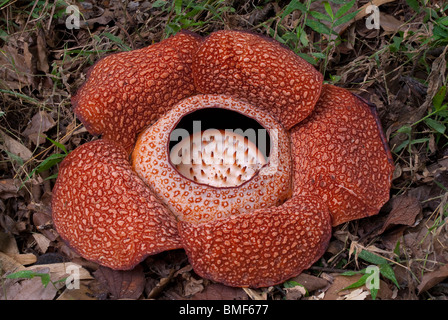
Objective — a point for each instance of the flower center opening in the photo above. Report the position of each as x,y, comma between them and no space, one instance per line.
219,147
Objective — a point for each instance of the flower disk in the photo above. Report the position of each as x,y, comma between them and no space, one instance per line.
105,212
198,203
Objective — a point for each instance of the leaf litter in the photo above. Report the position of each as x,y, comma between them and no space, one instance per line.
397,67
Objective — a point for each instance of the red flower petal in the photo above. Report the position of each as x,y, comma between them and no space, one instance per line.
260,71
261,248
127,91
105,212
340,155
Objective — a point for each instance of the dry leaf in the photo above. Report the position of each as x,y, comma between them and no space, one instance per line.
9,188
28,289
127,284
15,69
335,290
8,243
9,265
430,279
390,24
311,283
15,147
216,291
83,293
362,13
42,56
405,210
59,270
42,242
24,258
40,123
193,286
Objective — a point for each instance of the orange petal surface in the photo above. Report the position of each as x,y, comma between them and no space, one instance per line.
105,212
261,248
260,71
127,91
196,202
340,155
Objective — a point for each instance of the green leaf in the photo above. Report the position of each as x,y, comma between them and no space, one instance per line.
346,7
421,140
397,248
351,273
307,58
292,6
320,16
303,38
405,129
291,284
436,125
371,257
439,97
159,3
345,18
440,33
387,272
373,293
178,7
14,157
443,21
59,145
29,274
328,9
53,176
414,5
319,55
319,27
401,146
359,283
24,274
49,162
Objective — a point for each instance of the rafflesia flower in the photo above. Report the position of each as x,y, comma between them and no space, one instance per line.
230,147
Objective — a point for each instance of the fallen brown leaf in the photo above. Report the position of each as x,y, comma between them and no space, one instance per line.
405,210
127,284
311,283
432,278
40,123
15,147
216,291
336,292
390,24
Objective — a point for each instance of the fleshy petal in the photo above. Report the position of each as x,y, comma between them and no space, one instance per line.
105,212
262,248
260,71
340,155
127,91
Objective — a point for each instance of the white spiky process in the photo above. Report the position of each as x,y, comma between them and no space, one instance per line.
196,202
218,158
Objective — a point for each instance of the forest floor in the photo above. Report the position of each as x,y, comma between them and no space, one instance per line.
399,65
